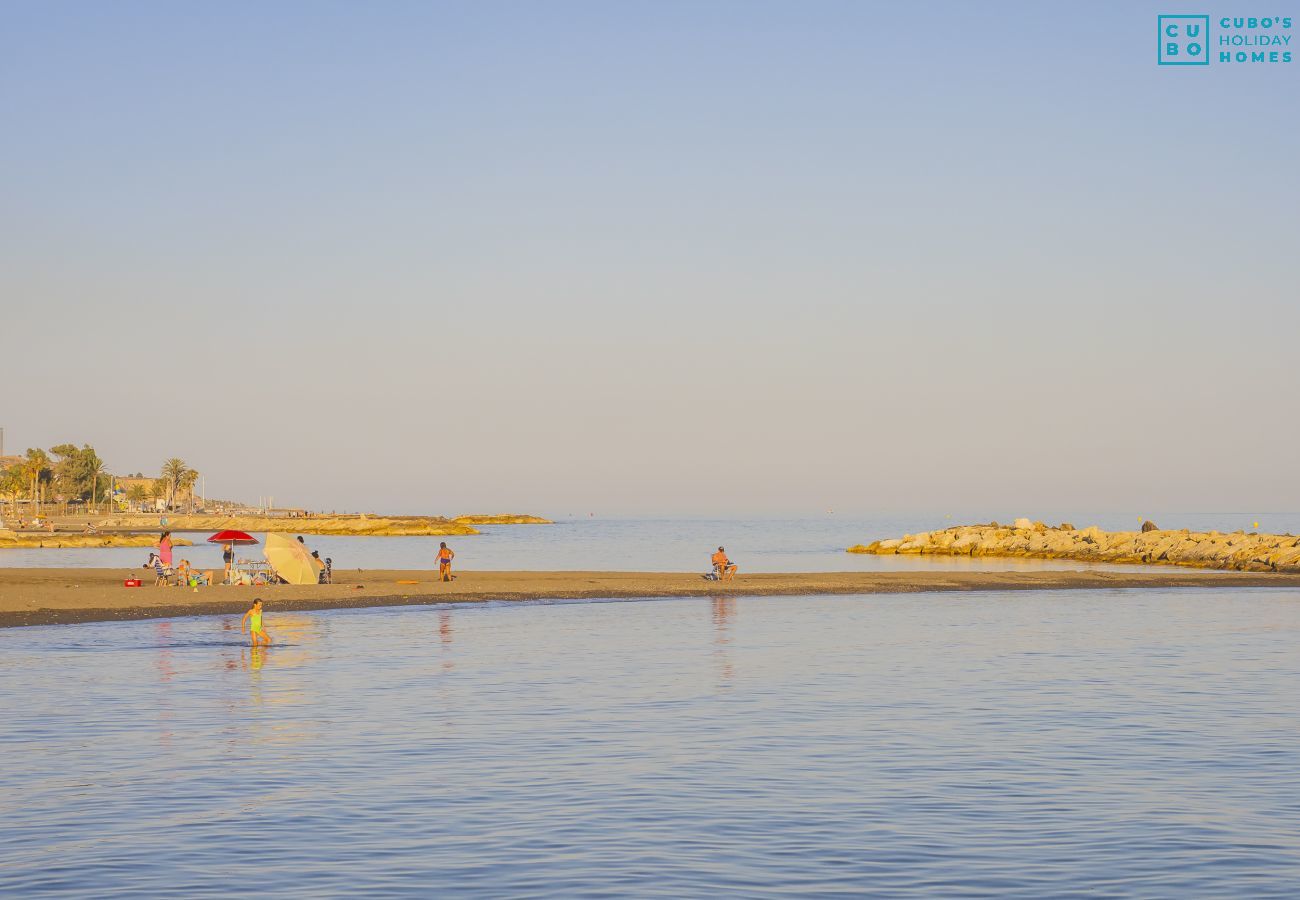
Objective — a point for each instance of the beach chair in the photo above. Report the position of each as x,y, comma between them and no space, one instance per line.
722,572
166,575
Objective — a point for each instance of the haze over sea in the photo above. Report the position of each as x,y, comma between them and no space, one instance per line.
1049,744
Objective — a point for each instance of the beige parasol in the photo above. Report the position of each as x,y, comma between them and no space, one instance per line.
290,559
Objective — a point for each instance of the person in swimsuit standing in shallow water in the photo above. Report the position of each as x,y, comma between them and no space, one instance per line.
252,623
445,556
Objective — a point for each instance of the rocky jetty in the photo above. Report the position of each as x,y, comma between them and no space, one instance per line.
1237,550
28,540
502,519
360,525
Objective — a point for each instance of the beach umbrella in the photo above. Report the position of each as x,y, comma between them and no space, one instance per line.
232,537
290,559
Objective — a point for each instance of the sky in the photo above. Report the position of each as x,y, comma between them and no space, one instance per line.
652,257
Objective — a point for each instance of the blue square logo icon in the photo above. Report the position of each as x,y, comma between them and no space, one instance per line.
1183,40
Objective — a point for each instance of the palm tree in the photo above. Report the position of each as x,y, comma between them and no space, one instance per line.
35,466
94,468
188,479
173,471
137,494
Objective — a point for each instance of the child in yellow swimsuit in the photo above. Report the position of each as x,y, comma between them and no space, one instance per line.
252,623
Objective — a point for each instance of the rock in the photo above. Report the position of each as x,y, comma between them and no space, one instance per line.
1065,526
1094,535
965,544
1148,525
1022,523
502,519
1264,552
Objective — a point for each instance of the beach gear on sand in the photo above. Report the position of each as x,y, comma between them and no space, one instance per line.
231,537
290,560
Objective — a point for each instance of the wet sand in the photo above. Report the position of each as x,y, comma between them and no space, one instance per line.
59,596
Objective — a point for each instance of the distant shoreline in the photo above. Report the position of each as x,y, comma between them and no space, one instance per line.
69,596
70,540
137,530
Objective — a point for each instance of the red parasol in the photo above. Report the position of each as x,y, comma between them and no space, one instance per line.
232,537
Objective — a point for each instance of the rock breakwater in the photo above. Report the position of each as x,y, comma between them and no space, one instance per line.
29,540
1238,551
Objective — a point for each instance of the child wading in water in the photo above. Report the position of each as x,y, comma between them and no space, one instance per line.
445,556
252,623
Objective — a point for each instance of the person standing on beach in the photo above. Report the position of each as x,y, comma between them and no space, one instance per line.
445,556
252,623
165,549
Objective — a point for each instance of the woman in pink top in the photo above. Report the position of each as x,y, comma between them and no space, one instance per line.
165,548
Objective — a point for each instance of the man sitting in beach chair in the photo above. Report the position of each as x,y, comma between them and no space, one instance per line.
723,568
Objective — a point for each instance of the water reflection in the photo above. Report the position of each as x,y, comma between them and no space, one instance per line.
166,672
445,639
256,657
724,610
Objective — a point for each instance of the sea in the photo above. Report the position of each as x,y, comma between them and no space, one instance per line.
1108,743
625,544
1022,744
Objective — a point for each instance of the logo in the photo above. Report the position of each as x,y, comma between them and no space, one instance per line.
1183,40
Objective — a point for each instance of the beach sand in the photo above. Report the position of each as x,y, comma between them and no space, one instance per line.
54,596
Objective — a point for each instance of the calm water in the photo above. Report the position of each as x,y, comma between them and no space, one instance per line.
654,545
1106,743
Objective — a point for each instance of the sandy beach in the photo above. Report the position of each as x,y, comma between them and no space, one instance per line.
60,596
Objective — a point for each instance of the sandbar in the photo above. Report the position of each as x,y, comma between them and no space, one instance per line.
34,596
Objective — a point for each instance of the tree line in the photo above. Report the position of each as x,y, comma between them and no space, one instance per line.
67,473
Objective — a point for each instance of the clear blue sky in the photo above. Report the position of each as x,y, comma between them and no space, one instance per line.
661,256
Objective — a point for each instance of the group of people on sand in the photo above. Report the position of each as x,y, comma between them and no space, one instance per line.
186,574
162,560
324,567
